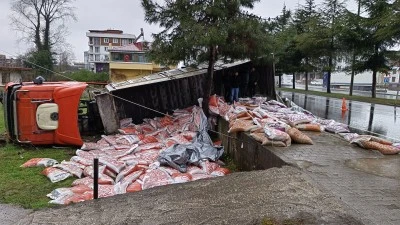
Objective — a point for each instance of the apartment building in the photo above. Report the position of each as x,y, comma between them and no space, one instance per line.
99,41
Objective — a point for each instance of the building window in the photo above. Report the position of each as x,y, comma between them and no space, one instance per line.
106,40
90,40
115,40
115,56
393,79
105,48
130,41
124,41
96,41
141,58
90,57
97,58
136,57
97,49
91,49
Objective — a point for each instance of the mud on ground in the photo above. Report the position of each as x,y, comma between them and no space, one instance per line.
275,196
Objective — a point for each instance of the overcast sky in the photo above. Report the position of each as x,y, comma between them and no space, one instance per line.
126,15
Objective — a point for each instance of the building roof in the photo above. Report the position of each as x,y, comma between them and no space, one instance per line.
135,47
12,64
109,34
170,75
108,31
4,68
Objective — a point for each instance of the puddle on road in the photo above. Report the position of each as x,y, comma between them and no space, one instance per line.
384,167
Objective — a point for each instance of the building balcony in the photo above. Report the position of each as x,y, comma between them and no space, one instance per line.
132,65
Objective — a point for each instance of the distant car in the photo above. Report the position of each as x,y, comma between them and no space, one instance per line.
316,82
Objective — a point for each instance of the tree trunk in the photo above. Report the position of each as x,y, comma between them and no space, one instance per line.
374,72
306,81
209,79
38,41
294,80
352,74
280,81
46,35
306,74
328,83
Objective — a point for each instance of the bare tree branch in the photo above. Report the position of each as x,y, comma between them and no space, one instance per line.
42,22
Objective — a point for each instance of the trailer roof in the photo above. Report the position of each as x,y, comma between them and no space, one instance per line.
170,75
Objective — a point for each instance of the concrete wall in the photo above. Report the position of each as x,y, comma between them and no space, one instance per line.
246,152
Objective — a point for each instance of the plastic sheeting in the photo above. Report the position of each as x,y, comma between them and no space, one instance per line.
179,156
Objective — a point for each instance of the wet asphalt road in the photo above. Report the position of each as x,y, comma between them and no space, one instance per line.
380,94
380,120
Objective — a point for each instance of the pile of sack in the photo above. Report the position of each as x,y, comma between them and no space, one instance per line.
166,150
275,124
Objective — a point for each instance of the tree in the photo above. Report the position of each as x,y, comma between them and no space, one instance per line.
197,31
351,33
284,33
42,23
377,39
290,61
331,12
308,27
64,60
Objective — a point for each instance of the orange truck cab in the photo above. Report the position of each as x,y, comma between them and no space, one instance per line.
44,113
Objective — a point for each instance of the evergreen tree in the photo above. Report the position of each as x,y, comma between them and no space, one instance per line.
308,27
287,55
351,35
374,58
331,13
197,31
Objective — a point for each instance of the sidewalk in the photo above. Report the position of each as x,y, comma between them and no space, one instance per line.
365,180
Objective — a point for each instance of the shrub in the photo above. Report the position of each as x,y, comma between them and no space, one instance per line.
83,76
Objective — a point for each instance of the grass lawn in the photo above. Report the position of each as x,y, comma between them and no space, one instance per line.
382,101
27,187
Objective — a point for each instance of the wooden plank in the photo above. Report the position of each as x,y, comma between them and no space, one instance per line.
108,113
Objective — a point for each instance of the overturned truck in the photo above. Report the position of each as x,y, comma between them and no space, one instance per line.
47,113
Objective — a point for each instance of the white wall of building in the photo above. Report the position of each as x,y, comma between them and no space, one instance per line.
344,77
98,49
14,77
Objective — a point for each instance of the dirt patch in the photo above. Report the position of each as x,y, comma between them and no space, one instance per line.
10,214
286,195
3,140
